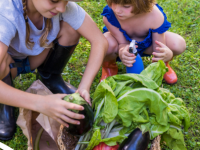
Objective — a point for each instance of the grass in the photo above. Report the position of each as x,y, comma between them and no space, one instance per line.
185,18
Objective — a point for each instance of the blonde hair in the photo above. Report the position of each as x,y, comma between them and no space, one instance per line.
139,6
43,39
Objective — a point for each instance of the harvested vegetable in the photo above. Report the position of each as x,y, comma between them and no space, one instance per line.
125,102
136,141
87,122
103,146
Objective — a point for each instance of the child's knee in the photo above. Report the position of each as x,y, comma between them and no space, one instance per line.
67,36
112,47
179,46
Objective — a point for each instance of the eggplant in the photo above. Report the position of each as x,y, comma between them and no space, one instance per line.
86,123
136,141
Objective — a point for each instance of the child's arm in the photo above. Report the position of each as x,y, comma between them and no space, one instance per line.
127,58
50,105
5,60
99,46
160,50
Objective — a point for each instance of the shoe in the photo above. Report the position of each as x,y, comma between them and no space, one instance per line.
7,118
50,71
170,77
109,68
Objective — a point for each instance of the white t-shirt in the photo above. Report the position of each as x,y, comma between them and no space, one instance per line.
13,27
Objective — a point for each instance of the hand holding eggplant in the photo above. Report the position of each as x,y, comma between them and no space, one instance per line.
86,123
54,107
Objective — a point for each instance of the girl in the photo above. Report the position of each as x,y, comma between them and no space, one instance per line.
43,34
145,22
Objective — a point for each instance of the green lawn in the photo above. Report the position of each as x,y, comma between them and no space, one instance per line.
185,18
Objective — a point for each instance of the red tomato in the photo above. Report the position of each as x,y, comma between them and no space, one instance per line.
103,146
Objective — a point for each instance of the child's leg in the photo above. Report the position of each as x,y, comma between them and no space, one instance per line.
7,117
175,42
109,66
50,71
177,45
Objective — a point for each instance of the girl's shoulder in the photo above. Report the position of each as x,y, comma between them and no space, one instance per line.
11,10
156,17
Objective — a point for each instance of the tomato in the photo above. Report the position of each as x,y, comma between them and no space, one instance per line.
103,146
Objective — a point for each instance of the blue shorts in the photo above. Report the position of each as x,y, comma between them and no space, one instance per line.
24,66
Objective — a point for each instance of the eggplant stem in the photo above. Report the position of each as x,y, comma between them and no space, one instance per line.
37,139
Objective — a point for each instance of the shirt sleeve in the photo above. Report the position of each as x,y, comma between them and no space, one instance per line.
7,31
74,15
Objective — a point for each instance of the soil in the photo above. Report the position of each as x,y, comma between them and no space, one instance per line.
69,140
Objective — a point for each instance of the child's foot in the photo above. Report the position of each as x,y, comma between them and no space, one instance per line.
109,68
170,77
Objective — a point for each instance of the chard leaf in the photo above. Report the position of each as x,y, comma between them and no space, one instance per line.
155,71
156,130
174,139
105,96
134,78
110,109
114,140
111,82
95,140
133,102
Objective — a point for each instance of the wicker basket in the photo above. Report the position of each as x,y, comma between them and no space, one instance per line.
154,146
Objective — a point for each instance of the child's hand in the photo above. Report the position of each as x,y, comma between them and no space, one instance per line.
127,58
54,107
85,94
164,53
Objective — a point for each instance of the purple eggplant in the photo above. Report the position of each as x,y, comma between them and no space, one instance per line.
136,141
85,124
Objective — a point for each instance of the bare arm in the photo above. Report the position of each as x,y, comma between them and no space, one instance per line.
126,58
115,32
160,50
5,60
99,46
51,105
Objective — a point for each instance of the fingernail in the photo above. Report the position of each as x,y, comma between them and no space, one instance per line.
78,123
67,126
82,108
83,117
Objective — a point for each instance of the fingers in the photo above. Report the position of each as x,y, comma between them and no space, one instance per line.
62,122
69,120
158,54
73,114
160,44
155,59
73,106
129,63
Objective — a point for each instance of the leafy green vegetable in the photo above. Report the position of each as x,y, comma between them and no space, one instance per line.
155,71
95,140
128,101
105,96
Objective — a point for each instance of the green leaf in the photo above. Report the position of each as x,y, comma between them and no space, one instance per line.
155,71
95,140
174,139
